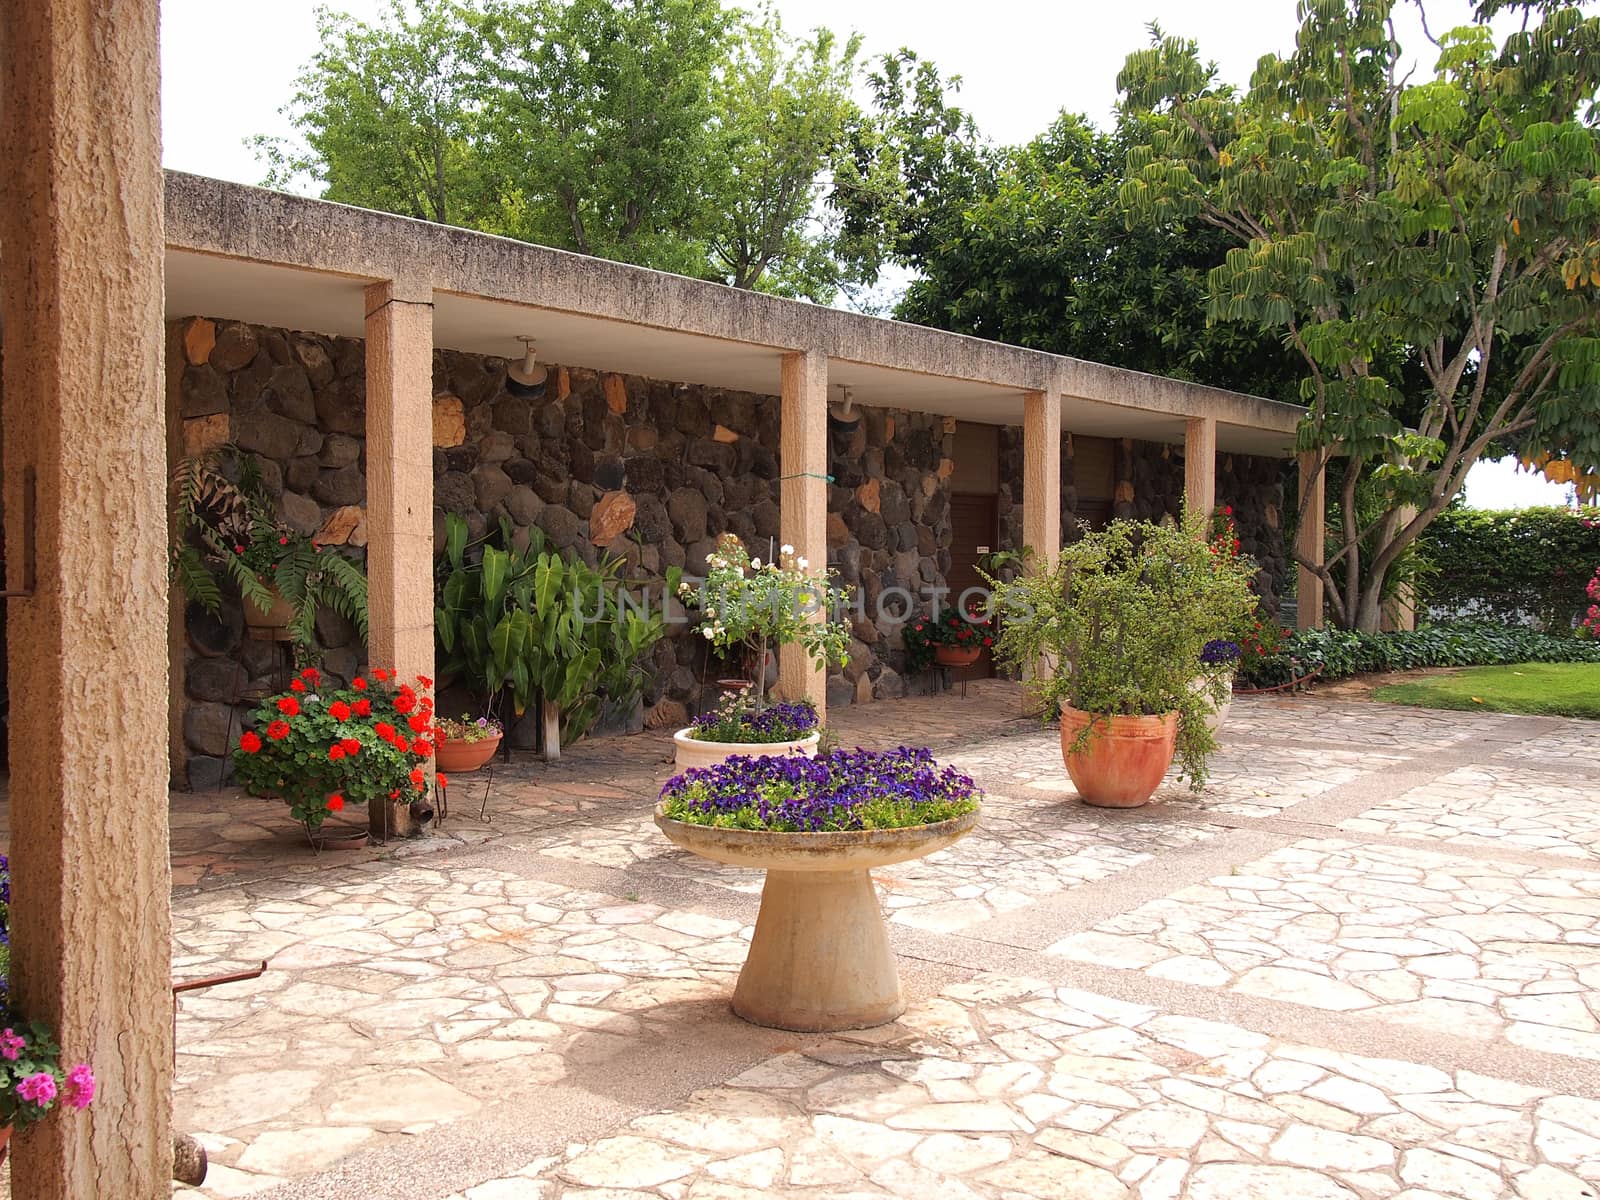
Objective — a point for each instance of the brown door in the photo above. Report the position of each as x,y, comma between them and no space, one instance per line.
975,532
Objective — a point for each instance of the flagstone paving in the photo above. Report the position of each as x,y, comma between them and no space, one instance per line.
1362,963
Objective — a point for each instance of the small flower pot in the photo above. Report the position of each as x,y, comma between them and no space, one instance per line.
820,958
1125,759
338,837
455,757
956,656
269,623
692,752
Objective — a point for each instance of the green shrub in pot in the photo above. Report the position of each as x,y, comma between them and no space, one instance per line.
1120,622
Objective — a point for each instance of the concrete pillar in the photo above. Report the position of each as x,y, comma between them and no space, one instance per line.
1308,542
177,747
1041,475
803,499
1200,466
81,250
399,489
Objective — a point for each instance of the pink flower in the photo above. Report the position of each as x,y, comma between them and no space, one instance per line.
11,1045
39,1089
80,1084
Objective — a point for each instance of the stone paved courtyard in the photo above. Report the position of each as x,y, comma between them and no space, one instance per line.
1365,962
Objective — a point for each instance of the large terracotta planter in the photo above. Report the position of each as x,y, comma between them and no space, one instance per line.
956,656
458,757
269,623
1125,760
692,752
820,957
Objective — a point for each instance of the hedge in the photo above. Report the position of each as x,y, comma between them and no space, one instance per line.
1521,566
1338,653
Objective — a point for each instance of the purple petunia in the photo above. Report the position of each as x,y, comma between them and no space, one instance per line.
1219,652
863,789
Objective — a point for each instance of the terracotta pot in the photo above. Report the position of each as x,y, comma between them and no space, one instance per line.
820,956
274,620
454,757
956,656
5,1141
692,752
339,837
1125,760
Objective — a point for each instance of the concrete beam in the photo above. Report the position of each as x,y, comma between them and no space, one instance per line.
84,419
210,216
1308,542
803,500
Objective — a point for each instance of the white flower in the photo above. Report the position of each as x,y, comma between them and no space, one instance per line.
756,563
801,563
788,549
709,632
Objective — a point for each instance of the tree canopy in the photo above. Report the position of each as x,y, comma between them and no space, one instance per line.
676,134
1430,250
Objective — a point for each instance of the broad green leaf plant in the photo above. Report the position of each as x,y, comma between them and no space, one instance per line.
517,626
1117,627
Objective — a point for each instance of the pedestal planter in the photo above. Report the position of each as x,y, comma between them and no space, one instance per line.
1125,759
820,958
457,757
956,656
692,752
1216,713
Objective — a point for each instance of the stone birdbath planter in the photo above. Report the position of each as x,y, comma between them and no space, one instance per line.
735,727
820,958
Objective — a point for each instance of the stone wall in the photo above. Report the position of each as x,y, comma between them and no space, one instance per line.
639,469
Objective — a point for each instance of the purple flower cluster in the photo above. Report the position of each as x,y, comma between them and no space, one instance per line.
845,790
775,723
1219,653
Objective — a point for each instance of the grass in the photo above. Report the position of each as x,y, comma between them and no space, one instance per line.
1543,689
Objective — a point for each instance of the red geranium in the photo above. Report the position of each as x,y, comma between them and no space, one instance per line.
363,707
296,686
312,674
417,778
405,701
249,742
424,681
350,746
278,730
423,748
359,684
380,675
384,730
339,710
418,723
289,706
335,753
440,779
335,802
402,745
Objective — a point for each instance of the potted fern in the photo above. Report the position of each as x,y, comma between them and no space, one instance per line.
226,531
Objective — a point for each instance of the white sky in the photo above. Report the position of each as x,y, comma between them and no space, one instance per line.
226,74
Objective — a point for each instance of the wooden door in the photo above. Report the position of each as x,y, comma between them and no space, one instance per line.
975,530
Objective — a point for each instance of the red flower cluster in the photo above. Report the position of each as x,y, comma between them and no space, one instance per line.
278,730
289,706
249,742
339,710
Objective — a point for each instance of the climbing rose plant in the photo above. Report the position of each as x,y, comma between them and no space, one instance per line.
323,748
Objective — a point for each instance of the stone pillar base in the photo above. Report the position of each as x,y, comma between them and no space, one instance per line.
390,819
820,957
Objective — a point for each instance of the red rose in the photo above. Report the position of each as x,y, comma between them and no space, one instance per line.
350,746
289,706
278,730
339,710
359,684
363,708
249,742
335,802
296,686
335,753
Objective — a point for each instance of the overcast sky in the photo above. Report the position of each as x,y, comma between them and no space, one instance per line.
1021,62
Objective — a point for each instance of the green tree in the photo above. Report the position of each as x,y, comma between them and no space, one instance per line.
388,115
1428,249
783,110
599,121
1043,257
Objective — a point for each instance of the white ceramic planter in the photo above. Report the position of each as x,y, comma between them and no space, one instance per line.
1216,713
691,752
820,957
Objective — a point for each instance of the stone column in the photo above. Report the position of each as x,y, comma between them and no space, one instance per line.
81,250
803,498
1200,466
1041,475
1308,542
399,489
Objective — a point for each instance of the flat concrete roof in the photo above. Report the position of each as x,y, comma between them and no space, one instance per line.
271,258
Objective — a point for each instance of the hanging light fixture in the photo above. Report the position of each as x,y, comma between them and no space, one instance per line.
529,377
843,415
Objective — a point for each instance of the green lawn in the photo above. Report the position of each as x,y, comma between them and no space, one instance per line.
1548,689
